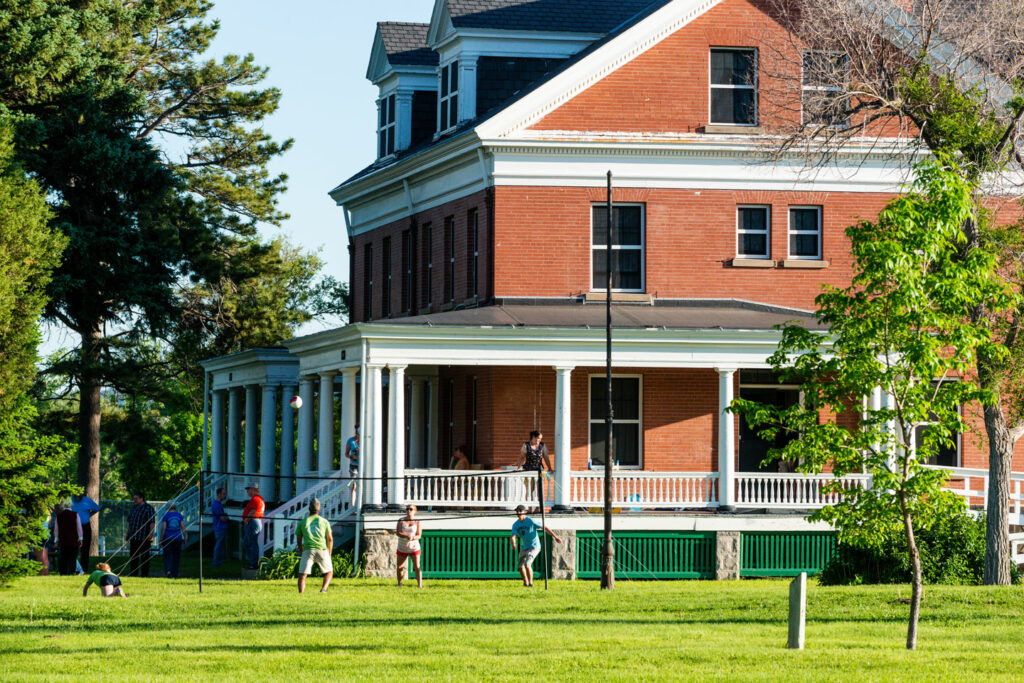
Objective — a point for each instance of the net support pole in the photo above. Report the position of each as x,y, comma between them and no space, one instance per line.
544,525
202,491
608,548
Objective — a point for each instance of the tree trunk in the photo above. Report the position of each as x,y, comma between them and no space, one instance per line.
1000,456
917,583
89,426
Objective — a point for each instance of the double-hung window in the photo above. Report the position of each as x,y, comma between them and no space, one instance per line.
627,247
427,295
368,282
386,126
823,102
805,232
385,306
626,428
449,259
407,273
472,252
753,232
733,86
448,100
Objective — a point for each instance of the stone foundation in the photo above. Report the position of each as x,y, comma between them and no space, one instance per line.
563,555
380,548
727,555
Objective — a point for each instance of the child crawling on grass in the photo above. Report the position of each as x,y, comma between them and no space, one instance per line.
108,582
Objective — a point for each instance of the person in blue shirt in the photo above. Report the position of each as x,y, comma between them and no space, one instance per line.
352,453
86,507
172,539
524,531
220,526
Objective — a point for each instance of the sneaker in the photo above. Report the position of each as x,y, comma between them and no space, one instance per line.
323,590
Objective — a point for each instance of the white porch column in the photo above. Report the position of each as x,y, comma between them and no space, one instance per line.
325,443
726,440
396,435
373,435
348,410
217,431
234,430
305,463
563,441
287,467
251,429
434,422
417,431
268,442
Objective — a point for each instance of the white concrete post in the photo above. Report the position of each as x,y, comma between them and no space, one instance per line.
234,430
396,435
268,442
372,435
563,440
325,443
217,431
348,410
797,611
305,460
287,468
252,429
417,431
726,440
434,422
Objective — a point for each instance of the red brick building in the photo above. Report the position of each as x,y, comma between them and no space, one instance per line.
477,253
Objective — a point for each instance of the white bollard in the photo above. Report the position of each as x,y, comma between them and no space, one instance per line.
797,611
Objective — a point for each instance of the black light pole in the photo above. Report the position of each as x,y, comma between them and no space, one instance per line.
608,551
544,534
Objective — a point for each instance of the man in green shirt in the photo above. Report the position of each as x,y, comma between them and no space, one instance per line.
314,534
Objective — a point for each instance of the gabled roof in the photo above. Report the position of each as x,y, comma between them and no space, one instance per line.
406,43
570,16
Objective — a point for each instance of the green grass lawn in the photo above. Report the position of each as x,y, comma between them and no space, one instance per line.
467,630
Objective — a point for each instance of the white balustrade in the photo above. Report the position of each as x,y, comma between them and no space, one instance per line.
801,491
971,484
470,489
647,489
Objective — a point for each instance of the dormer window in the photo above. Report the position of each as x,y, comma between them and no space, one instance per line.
448,100
386,127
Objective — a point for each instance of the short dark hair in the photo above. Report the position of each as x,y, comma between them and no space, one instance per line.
534,433
520,508
220,490
140,494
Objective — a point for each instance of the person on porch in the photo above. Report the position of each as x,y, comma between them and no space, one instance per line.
459,460
533,456
352,453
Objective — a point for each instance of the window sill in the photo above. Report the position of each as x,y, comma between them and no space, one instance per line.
725,129
753,263
808,264
448,306
424,311
625,297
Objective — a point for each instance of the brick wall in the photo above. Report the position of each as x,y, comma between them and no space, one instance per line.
459,212
690,242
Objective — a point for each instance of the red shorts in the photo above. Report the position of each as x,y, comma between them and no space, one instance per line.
414,553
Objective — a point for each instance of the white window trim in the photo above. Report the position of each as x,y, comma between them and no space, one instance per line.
639,421
767,230
442,102
754,88
790,232
391,99
820,88
642,247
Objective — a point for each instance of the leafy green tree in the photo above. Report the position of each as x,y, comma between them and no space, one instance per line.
29,250
901,326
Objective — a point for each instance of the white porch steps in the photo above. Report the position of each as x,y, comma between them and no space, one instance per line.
279,524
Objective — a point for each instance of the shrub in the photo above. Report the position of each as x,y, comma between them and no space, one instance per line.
284,564
952,552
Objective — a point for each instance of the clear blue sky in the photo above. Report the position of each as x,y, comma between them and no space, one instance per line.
317,52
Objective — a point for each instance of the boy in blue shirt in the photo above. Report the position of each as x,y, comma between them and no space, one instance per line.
524,530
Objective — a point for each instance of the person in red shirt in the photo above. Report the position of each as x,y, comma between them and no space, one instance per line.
252,525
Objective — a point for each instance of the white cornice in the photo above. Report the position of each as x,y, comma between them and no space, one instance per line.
440,23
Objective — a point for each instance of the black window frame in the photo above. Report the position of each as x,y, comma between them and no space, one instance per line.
598,247
385,300
473,253
596,399
368,281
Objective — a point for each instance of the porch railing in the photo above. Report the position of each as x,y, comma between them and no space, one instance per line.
971,484
647,489
462,488
279,524
765,490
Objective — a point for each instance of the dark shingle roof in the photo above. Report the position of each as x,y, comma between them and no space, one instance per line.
579,16
406,43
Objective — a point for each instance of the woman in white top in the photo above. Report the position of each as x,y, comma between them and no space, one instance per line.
409,532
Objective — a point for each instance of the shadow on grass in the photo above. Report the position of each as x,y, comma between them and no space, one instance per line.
321,649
